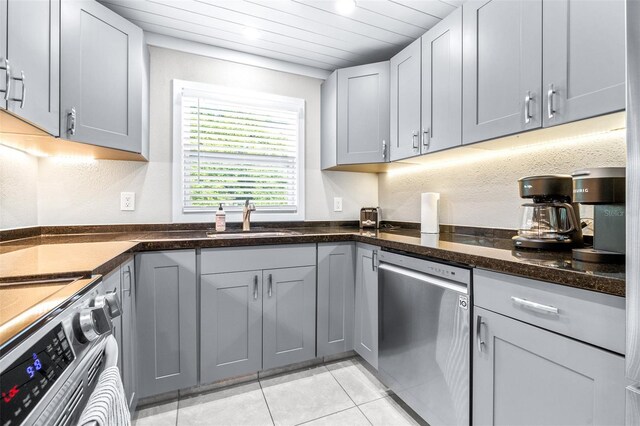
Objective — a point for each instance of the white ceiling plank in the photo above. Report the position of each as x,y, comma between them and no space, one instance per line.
373,19
203,38
400,12
233,36
436,8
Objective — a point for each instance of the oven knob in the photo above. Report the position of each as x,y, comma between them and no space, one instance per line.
91,323
112,303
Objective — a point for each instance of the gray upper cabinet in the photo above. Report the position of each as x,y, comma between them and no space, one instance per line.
101,85
230,325
336,298
442,84
355,115
129,337
166,321
526,375
502,68
289,324
33,50
366,319
584,59
4,73
406,133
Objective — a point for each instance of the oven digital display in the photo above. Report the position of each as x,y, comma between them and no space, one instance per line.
26,381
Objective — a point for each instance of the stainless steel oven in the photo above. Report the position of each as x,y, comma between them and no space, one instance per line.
424,343
49,370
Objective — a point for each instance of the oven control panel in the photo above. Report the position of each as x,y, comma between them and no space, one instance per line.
27,380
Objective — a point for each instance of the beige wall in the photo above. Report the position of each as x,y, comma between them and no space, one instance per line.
89,192
483,191
18,190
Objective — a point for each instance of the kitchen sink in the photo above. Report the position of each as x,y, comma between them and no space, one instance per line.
251,234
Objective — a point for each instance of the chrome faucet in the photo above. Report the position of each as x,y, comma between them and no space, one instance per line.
246,215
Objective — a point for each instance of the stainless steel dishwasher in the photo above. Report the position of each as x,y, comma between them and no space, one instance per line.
424,345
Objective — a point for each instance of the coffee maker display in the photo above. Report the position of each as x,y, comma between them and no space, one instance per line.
604,188
550,222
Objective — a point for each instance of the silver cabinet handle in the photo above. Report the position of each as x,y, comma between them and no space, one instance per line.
270,285
255,287
527,107
414,139
374,260
23,92
384,149
426,138
535,306
7,77
479,324
551,111
71,122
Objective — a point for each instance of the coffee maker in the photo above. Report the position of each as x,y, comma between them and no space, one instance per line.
550,222
604,188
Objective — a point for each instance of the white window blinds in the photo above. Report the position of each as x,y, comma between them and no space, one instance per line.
240,146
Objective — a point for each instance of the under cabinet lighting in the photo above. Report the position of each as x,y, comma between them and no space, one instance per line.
345,7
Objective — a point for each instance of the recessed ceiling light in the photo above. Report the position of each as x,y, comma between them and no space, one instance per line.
345,7
251,33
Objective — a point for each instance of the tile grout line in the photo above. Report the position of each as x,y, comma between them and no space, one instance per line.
326,415
266,402
345,391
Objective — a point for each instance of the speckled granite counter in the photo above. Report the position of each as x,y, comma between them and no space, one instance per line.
55,254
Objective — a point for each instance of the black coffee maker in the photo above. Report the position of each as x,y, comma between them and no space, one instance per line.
550,222
604,188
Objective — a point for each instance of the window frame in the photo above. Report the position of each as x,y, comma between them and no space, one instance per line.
178,215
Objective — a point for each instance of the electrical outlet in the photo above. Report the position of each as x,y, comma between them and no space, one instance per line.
337,204
127,201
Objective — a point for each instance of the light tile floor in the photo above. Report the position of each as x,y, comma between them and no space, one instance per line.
333,394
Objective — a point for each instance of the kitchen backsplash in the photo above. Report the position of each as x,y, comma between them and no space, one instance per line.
483,191
18,193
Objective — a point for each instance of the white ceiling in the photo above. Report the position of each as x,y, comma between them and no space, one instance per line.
306,32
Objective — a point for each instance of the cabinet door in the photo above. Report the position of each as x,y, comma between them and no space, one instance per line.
526,375
3,53
230,325
289,321
33,49
363,114
101,77
502,68
442,84
166,326
633,405
584,59
405,102
129,339
336,298
112,284
366,321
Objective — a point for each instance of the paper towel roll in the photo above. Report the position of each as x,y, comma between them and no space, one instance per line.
429,213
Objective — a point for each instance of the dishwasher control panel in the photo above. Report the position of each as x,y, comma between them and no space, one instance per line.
432,267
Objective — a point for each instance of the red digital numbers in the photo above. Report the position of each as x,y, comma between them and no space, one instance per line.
7,397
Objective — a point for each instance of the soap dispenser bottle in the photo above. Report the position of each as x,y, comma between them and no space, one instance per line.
221,219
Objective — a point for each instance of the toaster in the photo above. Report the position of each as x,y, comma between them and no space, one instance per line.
370,217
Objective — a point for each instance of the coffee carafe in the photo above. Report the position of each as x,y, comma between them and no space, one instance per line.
550,222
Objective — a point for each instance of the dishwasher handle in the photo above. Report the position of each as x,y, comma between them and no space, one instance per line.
425,278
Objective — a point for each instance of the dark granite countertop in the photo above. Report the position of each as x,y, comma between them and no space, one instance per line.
487,250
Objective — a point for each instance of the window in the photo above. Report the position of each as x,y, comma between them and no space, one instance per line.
232,145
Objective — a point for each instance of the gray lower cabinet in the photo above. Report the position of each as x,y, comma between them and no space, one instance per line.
166,321
336,298
289,316
526,375
129,339
4,73
442,84
366,309
584,59
230,324
633,405
355,116
101,84
502,68
33,50
405,101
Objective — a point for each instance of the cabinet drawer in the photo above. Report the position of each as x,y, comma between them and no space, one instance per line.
253,258
585,315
